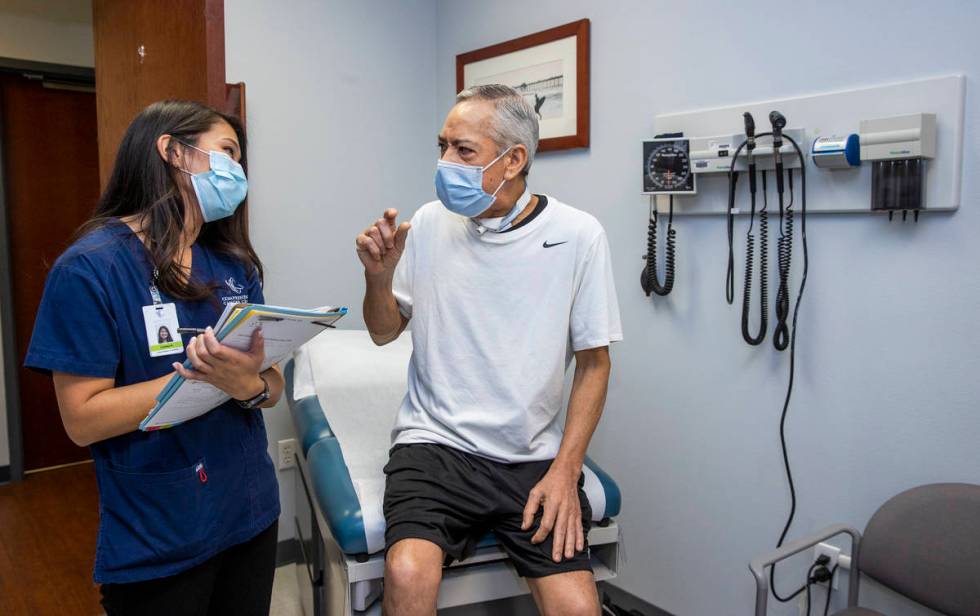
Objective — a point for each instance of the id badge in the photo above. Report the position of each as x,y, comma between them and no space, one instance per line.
162,336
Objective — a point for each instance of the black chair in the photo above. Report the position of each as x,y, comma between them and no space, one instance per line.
923,543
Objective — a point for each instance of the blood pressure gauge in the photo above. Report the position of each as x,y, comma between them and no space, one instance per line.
667,167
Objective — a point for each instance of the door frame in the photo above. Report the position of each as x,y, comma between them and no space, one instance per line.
55,74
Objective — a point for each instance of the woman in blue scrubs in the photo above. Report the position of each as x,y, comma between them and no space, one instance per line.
188,515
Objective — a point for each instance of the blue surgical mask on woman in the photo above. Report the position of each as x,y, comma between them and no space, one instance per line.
460,187
222,188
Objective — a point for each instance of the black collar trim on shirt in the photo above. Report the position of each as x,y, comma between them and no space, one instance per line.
542,203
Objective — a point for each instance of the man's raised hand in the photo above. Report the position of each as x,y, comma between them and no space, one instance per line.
380,246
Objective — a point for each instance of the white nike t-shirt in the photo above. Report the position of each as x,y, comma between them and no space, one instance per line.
495,318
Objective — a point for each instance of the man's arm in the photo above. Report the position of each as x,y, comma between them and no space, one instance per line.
558,490
380,247
384,320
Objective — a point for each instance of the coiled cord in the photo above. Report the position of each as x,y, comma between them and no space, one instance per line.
792,366
784,253
792,362
763,271
649,278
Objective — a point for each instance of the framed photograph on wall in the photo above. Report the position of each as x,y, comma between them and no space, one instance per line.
551,69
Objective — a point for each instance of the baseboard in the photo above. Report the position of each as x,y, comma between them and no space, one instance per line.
287,552
630,601
4,474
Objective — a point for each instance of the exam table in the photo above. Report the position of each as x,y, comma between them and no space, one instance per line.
338,522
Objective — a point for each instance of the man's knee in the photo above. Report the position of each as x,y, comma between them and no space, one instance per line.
580,605
413,564
569,594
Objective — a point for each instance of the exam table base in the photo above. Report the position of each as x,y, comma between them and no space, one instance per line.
332,583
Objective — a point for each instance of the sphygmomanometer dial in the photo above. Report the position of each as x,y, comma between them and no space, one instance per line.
667,167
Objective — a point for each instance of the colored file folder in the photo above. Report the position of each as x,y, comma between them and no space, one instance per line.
283,330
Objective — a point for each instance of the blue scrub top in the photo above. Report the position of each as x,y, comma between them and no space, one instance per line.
168,499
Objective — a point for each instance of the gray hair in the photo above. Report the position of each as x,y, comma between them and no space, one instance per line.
515,122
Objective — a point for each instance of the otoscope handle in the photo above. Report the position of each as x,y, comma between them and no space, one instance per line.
778,122
749,131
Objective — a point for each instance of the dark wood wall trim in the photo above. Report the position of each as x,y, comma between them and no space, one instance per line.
60,73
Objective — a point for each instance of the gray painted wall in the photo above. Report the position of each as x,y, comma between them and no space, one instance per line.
887,392
341,123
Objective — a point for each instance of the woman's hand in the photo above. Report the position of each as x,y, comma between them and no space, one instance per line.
232,371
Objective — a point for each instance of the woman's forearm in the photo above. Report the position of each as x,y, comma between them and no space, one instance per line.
93,409
276,383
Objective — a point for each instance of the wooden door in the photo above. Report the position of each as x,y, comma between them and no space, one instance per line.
147,51
52,185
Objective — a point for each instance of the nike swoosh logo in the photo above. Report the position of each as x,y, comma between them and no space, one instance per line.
547,245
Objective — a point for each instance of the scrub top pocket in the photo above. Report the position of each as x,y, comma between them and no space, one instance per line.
150,516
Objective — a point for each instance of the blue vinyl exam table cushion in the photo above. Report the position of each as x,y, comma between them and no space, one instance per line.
332,486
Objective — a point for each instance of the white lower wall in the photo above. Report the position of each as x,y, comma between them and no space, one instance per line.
341,124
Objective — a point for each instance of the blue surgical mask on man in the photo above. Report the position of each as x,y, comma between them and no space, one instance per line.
460,187
222,188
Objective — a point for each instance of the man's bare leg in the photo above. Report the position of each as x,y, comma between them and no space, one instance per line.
413,571
566,594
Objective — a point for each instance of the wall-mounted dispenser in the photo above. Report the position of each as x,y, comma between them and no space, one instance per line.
898,148
836,152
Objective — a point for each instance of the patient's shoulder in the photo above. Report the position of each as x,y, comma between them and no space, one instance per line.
581,222
428,210
429,215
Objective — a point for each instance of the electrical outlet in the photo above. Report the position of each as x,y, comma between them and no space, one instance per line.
833,553
287,453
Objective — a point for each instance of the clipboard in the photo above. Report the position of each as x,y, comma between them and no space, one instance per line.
284,329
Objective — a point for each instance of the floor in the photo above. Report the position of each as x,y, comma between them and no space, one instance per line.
47,544
285,593
48,524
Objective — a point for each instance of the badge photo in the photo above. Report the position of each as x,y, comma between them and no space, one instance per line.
161,330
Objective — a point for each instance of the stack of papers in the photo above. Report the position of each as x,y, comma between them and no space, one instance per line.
284,330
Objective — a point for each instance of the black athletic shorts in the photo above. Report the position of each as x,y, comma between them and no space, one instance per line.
453,499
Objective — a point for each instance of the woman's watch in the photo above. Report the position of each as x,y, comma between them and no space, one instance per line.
252,403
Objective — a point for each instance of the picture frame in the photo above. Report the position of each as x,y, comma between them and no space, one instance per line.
551,69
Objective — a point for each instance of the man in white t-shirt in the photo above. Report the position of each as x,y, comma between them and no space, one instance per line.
502,288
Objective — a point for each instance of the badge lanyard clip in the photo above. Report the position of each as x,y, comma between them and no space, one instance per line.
154,292
161,323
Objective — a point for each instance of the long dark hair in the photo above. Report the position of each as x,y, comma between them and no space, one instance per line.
143,184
